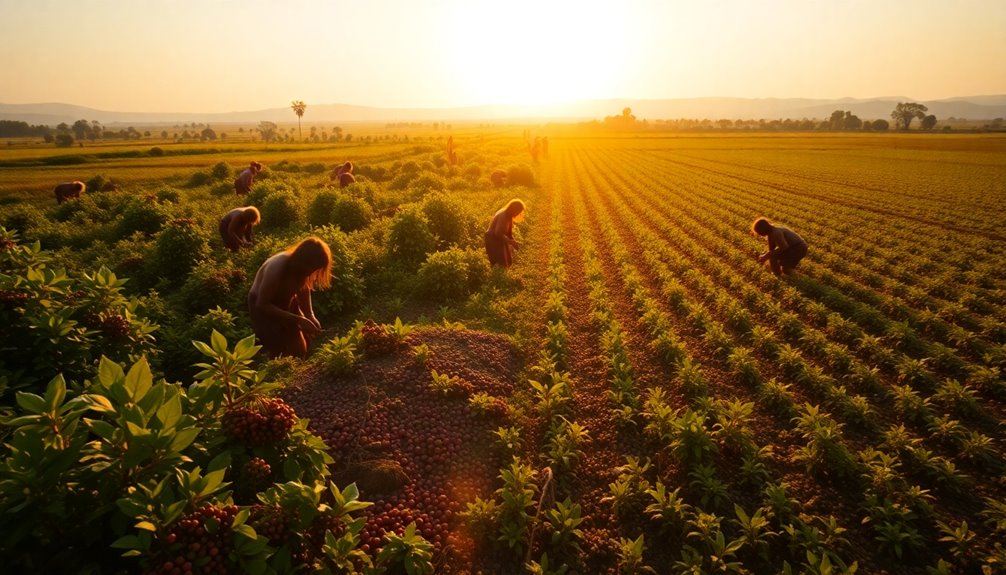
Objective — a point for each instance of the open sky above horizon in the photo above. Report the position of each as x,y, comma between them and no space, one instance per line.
242,55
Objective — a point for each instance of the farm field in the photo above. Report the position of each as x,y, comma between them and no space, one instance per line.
636,393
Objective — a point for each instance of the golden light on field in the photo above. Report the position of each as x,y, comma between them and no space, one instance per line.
531,52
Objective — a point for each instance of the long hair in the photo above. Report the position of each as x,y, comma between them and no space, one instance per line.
516,209
311,258
761,227
251,215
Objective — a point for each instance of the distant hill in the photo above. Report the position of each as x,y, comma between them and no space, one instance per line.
970,107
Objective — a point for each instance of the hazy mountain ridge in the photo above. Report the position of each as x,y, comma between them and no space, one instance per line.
970,107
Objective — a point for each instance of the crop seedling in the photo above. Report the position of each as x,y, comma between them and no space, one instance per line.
630,556
564,521
408,550
544,567
667,508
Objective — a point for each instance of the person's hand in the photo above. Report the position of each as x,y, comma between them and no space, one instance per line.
762,257
514,244
310,328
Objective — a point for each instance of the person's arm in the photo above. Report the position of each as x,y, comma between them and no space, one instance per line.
246,234
307,309
271,280
500,228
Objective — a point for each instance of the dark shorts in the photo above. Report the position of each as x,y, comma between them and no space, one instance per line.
790,258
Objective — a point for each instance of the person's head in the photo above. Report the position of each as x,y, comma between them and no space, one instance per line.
256,167
312,260
761,227
347,167
515,209
251,215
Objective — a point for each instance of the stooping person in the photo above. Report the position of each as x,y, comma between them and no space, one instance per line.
500,244
785,247
236,227
343,174
244,181
68,190
279,301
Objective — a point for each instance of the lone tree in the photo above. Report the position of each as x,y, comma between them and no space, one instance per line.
298,107
929,122
905,112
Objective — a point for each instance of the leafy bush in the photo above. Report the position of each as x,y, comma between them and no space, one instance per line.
177,249
140,216
410,238
449,220
346,290
57,323
25,220
452,274
428,182
156,151
199,179
209,285
319,212
142,463
280,210
222,171
520,175
351,213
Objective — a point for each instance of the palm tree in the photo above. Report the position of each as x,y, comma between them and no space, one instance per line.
298,107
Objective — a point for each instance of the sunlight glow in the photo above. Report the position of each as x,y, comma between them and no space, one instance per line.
536,52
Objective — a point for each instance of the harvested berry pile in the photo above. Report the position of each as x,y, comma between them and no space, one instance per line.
402,428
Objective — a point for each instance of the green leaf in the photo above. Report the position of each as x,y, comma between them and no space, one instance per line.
213,481
30,402
109,372
291,469
170,412
55,393
205,350
139,379
184,438
126,542
102,429
219,342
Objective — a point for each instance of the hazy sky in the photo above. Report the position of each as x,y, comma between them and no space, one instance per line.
240,55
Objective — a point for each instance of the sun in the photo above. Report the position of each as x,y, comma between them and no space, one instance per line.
533,53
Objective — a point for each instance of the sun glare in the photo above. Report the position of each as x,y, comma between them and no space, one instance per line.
531,53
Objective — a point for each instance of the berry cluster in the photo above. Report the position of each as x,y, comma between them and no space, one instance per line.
114,326
189,546
12,299
375,340
263,422
272,522
257,471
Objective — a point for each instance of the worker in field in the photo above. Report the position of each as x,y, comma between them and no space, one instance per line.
236,227
500,244
343,174
785,247
498,178
279,301
68,190
244,181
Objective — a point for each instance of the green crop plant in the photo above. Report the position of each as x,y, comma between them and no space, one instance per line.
732,428
743,365
409,550
712,492
337,356
564,447
668,508
516,500
552,399
545,567
629,554
564,524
